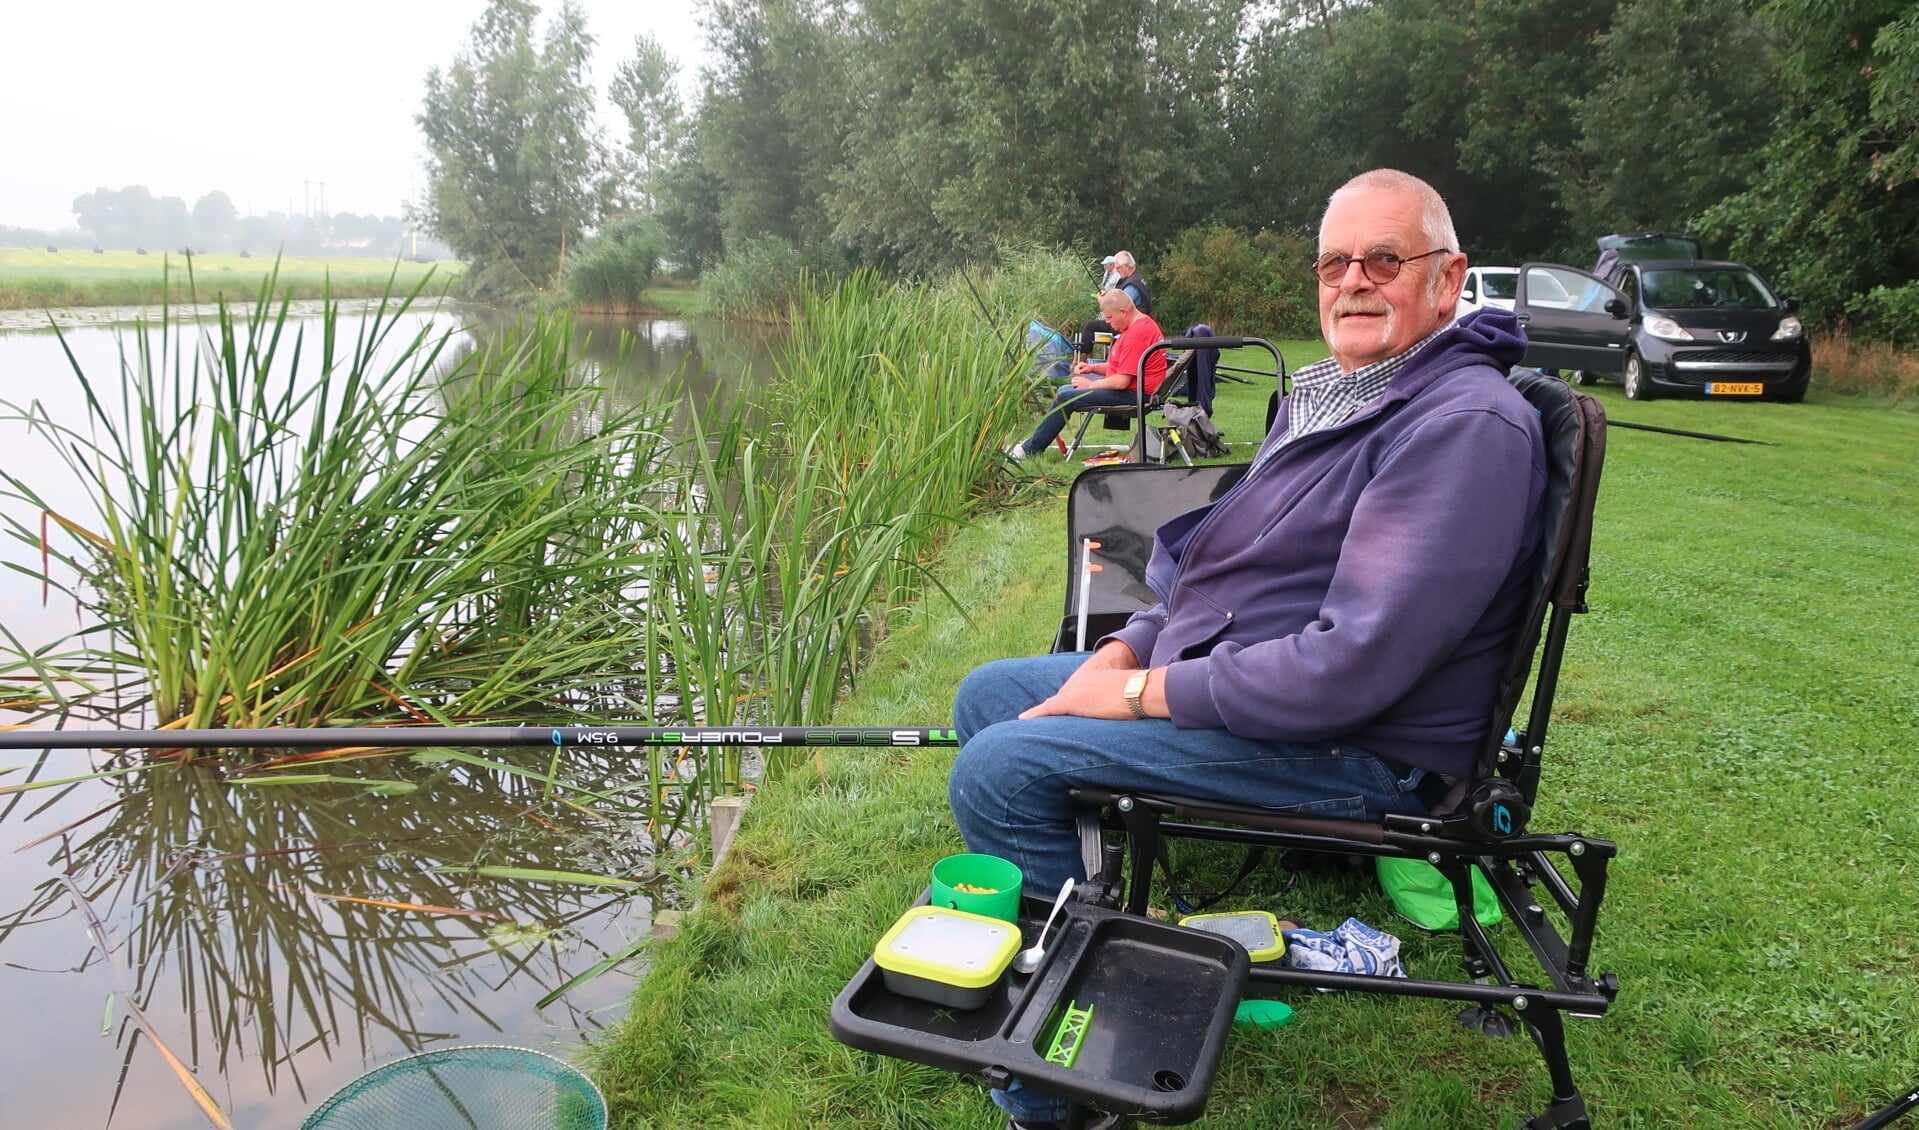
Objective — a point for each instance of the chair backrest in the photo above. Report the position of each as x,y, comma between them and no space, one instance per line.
1119,507
1574,426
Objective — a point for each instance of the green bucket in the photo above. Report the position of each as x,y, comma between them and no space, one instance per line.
977,884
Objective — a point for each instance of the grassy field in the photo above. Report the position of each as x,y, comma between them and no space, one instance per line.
39,278
1737,712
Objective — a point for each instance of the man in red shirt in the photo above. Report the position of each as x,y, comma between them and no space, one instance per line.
1097,384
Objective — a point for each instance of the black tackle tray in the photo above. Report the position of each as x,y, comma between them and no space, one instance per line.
1162,998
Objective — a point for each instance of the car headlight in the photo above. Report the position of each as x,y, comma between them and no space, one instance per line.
1668,329
1789,329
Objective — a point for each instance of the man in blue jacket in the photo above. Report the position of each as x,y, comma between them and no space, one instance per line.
1331,631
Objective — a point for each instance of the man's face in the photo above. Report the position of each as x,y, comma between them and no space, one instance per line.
1120,318
1365,322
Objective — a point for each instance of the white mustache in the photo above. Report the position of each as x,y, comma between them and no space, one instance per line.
1351,305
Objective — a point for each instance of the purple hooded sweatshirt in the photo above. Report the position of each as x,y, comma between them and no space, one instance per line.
1364,583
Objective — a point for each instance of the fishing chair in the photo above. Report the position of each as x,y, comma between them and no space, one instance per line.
1479,824
1150,443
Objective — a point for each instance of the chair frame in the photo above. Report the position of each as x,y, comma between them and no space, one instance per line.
1517,865
1178,373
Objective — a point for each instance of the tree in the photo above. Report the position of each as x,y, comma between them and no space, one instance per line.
646,90
215,221
515,165
1829,214
1698,77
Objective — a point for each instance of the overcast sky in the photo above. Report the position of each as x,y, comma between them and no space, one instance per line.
261,99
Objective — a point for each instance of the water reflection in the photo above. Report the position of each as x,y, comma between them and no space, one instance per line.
282,938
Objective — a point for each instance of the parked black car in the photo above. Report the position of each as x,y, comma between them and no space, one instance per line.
1666,327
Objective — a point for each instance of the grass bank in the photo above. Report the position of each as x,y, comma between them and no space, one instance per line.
1736,712
32,279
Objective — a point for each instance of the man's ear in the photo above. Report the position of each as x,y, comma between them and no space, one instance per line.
1448,282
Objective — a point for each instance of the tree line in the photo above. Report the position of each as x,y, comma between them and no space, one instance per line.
133,218
921,135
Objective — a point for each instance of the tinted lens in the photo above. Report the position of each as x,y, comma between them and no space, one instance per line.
1331,269
1381,267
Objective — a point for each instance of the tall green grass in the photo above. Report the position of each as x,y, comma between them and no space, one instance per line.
291,527
400,533
800,527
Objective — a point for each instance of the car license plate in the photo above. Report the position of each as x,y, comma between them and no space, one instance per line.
1735,388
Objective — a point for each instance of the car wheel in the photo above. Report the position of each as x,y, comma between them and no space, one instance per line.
1582,377
1637,386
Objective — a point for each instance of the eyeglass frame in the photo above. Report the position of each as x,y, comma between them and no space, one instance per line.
1345,262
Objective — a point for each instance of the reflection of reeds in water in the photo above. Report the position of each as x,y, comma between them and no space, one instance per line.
319,913
370,546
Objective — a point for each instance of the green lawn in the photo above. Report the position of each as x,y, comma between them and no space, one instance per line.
1737,712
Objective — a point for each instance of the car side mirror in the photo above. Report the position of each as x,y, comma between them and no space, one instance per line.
1616,307
1790,305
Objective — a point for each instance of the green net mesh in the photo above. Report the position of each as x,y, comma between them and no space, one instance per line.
474,1088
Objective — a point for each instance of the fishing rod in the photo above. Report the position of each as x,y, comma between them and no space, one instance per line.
1689,435
432,737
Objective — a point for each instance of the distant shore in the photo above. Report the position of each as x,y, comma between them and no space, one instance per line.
39,279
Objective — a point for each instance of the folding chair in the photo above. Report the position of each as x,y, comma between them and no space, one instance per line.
1479,825
1149,444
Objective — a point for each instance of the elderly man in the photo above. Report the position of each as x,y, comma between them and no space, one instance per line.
1331,630
1122,273
1107,383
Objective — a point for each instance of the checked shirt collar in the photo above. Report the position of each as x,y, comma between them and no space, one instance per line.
1323,397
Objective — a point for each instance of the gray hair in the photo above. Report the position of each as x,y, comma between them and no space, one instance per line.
1124,259
1435,221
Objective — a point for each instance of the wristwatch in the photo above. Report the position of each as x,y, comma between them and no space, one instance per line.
1135,687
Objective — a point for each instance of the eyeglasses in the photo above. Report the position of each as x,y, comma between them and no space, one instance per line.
1381,267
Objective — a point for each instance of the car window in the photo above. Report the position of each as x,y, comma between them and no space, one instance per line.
1561,289
1629,286
1500,284
1696,288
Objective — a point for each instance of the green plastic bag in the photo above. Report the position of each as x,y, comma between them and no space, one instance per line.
1423,897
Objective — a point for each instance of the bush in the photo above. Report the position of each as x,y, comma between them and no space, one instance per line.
762,277
1050,284
1240,285
1889,314
612,270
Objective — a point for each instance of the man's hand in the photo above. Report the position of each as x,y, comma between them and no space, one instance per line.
1098,688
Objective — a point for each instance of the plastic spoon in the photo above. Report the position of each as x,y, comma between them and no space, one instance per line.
1029,958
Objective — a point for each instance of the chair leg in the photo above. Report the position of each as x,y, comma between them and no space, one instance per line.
1085,418
1568,1109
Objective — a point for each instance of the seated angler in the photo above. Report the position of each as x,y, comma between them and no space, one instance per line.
1108,383
1331,630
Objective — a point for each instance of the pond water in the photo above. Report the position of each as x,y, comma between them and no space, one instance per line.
282,940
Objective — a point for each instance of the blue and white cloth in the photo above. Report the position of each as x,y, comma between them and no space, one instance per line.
1352,947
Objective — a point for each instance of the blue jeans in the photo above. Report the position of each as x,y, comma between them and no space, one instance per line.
1009,785
1066,399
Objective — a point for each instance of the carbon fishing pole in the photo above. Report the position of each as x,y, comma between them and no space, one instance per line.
1687,434
431,737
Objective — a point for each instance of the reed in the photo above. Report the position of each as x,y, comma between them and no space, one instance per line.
293,527
799,527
